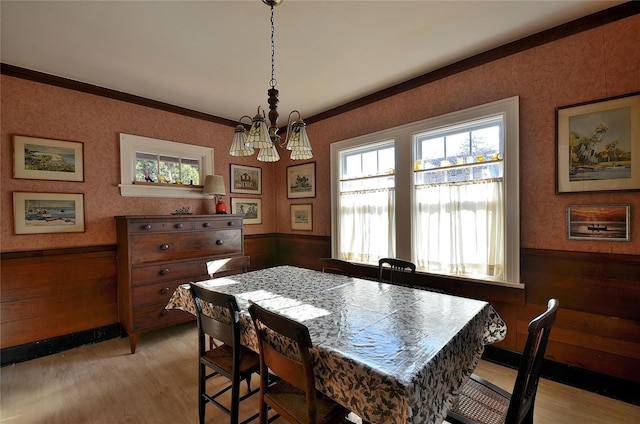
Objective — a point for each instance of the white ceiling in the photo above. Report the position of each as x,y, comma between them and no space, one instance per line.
214,56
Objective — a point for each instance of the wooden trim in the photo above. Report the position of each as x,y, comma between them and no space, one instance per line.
585,23
54,252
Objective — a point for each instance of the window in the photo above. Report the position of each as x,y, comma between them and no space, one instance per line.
454,208
181,166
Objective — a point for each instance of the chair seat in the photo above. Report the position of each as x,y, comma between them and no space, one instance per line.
222,357
284,396
480,402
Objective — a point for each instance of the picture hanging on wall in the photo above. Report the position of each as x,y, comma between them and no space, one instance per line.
598,222
38,213
302,217
250,209
45,159
301,181
598,145
246,179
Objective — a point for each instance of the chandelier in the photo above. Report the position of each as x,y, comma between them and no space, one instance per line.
263,137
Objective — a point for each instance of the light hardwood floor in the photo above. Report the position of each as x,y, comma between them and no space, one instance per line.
104,383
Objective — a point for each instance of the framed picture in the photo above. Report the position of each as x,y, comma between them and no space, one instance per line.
45,159
301,181
598,222
250,209
246,179
598,145
37,213
302,217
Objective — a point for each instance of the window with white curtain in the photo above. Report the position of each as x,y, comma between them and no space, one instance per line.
442,192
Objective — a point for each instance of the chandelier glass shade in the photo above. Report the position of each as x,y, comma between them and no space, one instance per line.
263,135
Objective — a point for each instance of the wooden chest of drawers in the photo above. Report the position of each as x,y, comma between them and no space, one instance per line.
158,253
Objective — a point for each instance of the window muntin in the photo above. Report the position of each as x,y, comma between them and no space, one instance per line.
153,167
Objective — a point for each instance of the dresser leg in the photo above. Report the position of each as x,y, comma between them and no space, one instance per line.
133,339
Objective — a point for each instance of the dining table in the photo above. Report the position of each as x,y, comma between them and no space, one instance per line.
391,354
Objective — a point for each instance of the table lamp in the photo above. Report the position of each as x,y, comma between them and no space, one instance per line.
214,186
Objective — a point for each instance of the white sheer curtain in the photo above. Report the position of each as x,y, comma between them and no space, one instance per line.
367,225
459,228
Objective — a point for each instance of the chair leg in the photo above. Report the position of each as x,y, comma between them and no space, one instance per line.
235,400
201,391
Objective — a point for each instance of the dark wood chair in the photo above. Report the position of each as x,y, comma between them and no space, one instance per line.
394,268
284,349
228,266
483,402
230,360
337,266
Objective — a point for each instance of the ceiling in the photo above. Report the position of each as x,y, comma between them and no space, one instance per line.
215,56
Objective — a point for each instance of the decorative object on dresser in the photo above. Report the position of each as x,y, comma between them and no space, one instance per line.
158,253
214,186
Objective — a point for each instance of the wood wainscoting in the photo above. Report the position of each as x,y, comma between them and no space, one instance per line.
45,294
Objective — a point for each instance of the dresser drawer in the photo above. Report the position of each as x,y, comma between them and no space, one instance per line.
155,316
167,271
150,226
205,223
155,293
166,246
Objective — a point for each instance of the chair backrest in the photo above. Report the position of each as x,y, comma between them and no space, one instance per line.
224,322
337,266
284,349
526,385
228,266
396,267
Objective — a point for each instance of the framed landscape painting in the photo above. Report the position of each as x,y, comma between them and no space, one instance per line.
598,145
246,179
250,209
598,222
302,217
38,213
45,159
301,181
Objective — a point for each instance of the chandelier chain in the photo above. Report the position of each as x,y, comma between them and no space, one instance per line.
273,81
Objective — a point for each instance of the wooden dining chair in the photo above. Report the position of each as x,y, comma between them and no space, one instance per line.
394,268
284,349
483,402
337,266
227,266
231,360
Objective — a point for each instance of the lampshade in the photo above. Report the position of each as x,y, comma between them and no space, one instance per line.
269,154
239,147
214,185
298,140
259,134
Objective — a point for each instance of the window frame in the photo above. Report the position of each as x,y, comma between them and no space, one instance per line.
405,152
130,144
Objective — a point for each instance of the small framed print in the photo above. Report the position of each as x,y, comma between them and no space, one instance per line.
598,222
301,181
302,217
246,179
38,213
250,209
598,145
45,159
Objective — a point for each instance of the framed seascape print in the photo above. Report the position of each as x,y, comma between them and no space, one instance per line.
37,213
246,179
302,217
301,181
598,145
598,222
250,209
45,159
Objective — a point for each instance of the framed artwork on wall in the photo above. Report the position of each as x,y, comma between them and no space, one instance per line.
598,145
301,181
46,159
598,222
250,209
38,213
246,179
302,217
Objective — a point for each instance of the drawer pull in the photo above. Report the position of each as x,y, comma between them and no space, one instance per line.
164,247
206,225
231,223
164,290
146,227
219,242
164,312
164,271
179,225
